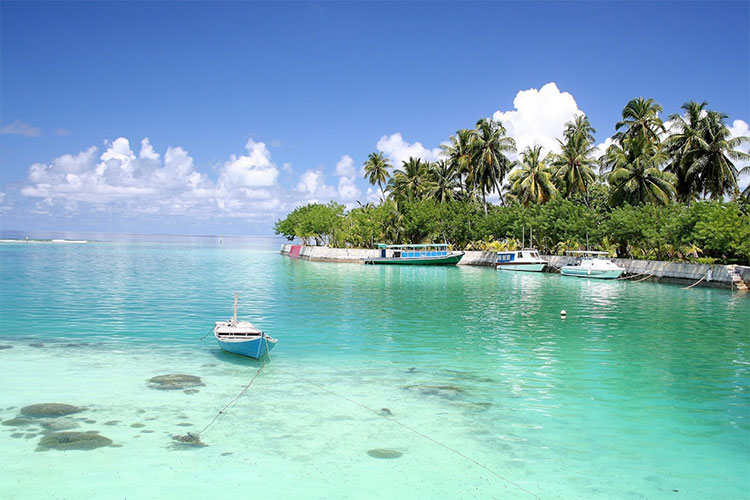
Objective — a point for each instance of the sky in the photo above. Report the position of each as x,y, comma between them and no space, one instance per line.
221,117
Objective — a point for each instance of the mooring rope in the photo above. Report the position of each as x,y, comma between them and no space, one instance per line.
425,436
221,412
691,286
206,335
630,277
643,279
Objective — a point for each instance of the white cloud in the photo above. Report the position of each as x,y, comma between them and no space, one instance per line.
372,195
347,189
122,183
20,128
399,151
740,128
539,117
309,181
345,167
252,170
147,151
312,189
601,148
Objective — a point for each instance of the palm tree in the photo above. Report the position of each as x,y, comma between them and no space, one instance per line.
640,118
376,171
445,181
489,146
580,125
533,181
713,165
574,165
410,182
635,176
745,192
458,153
684,146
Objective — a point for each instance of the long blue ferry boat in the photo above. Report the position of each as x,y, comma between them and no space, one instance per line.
431,254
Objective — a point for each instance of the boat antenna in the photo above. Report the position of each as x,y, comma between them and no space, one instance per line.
234,318
523,236
587,242
531,237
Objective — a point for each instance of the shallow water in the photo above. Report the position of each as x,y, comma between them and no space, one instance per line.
642,392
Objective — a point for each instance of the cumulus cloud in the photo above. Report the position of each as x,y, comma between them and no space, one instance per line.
122,182
398,150
309,181
345,167
147,151
347,188
740,128
539,117
252,170
20,128
311,188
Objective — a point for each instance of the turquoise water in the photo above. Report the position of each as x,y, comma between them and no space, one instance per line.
642,392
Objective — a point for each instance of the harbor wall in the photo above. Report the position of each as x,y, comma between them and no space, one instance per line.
653,270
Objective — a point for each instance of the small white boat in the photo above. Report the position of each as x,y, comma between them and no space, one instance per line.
526,259
241,337
592,265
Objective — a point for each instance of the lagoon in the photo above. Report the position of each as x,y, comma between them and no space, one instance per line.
469,374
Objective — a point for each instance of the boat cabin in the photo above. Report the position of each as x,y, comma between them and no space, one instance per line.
512,256
413,251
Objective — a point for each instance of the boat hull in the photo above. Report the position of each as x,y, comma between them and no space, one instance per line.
447,260
532,267
252,348
605,274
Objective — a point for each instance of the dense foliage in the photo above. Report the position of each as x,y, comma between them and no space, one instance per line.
662,193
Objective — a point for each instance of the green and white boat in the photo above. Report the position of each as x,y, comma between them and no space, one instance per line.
434,254
592,265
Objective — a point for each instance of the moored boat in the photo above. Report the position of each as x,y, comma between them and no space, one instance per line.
526,259
592,265
434,254
242,337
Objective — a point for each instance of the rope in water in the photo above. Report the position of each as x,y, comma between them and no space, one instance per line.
631,276
691,286
425,436
206,335
221,412
643,279
405,426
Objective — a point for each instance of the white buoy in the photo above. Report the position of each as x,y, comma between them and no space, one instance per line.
563,314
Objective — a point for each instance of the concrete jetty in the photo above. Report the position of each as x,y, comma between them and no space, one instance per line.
684,273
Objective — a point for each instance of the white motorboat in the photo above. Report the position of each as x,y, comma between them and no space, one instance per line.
526,259
592,265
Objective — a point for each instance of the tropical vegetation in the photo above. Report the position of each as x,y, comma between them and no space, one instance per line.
664,190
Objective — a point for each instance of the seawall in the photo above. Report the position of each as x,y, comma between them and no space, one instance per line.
684,273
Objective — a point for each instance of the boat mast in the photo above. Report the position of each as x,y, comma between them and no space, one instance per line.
531,237
523,236
234,318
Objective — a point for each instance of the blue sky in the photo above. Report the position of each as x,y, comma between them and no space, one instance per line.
210,118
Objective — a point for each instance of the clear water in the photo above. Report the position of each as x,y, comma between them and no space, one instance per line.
641,393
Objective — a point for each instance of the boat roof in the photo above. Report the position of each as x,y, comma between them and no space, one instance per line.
426,245
587,252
